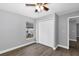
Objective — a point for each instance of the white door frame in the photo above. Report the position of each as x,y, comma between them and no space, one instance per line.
68,27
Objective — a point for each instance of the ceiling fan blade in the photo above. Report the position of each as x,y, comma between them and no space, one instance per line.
45,8
45,3
29,4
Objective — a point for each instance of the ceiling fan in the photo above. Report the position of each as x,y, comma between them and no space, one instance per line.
39,6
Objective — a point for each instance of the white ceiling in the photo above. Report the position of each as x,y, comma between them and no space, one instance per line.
20,8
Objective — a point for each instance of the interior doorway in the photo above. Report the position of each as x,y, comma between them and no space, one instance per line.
73,32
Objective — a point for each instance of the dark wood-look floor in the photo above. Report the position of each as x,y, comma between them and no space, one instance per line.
41,50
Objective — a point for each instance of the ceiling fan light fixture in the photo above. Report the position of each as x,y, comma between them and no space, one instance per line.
39,6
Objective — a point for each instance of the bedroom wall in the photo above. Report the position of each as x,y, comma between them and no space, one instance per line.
56,30
78,30
63,41
77,25
12,30
72,30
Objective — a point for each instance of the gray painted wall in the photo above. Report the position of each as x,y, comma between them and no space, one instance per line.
72,30
78,30
56,30
77,25
63,27
12,30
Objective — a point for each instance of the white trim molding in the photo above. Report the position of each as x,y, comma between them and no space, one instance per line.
10,49
66,47
73,40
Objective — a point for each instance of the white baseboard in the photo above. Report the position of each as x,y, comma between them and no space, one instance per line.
10,49
72,39
63,46
54,48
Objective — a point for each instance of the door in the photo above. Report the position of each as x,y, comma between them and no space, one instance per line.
47,32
